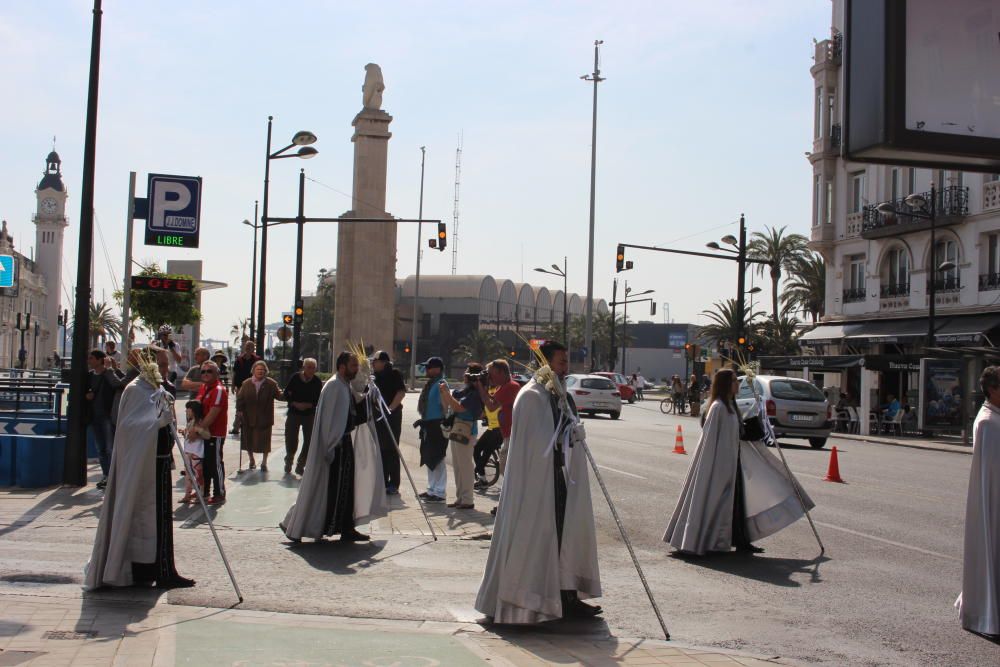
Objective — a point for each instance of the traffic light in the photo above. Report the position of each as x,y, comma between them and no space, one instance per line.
620,259
287,319
741,341
406,349
299,313
513,353
442,239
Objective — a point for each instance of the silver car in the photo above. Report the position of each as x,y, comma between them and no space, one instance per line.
593,394
795,408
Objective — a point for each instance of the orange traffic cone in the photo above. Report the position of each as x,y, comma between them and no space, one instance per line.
833,472
679,441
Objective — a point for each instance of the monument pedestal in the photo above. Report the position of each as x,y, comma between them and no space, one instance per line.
366,251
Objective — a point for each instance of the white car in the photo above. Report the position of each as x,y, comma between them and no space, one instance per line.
594,394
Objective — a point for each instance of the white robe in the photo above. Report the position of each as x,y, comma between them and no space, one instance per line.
526,569
370,501
979,603
702,521
126,532
307,517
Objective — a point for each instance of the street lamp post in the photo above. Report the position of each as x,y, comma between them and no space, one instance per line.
303,139
629,298
588,334
253,278
556,271
416,287
299,312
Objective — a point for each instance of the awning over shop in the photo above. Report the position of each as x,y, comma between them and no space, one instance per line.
951,330
830,363
826,334
887,331
966,329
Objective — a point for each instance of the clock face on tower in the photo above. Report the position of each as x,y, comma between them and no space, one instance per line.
49,206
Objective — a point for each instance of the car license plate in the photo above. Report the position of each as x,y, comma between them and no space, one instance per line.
802,418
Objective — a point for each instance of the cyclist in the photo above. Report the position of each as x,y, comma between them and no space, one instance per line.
677,390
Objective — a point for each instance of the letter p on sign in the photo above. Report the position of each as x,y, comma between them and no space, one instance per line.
174,211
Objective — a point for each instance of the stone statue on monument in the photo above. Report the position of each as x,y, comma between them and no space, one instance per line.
373,87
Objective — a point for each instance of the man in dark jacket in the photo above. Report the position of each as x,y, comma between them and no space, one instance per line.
242,370
102,384
391,385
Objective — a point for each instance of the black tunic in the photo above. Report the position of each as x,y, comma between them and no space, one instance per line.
340,486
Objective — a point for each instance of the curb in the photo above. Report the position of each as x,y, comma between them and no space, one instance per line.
916,444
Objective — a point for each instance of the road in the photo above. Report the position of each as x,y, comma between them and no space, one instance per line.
882,595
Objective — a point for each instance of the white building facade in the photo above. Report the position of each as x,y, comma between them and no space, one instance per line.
879,266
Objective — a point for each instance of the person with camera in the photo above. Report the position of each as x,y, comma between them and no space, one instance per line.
499,394
164,340
467,407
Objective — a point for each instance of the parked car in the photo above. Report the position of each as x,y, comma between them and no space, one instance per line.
795,408
594,394
520,378
627,392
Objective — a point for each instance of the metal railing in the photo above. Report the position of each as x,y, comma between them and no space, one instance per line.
854,294
989,281
895,289
946,284
37,398
951,201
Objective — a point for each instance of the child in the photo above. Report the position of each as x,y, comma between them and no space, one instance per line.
194,448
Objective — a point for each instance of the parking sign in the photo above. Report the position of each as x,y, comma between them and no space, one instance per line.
174,214
6,270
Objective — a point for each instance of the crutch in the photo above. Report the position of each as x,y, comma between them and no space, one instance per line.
201,499
628,543
383,416
788,471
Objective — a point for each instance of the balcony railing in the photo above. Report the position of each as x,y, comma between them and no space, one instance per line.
947,284
895,289
989,281
854,295
952,201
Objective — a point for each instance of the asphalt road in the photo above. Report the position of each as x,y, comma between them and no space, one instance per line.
881,595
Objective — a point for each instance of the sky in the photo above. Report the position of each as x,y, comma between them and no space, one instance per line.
706,113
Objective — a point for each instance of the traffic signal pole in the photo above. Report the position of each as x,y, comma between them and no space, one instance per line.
741,280
297,308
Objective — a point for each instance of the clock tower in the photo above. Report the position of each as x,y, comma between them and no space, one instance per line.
50,225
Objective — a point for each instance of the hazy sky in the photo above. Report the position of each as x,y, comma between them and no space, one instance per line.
706,113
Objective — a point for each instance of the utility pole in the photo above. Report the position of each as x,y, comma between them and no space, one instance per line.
741,279
298,311
416,290
614,326
454,219
588,330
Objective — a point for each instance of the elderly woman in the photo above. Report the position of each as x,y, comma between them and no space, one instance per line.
255,409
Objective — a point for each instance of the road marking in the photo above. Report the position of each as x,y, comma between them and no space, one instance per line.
620,472
889,542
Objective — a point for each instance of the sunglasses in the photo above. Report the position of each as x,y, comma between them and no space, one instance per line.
208,371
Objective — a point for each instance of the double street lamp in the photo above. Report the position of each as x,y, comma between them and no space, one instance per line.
556,271
922,209
629,298
303,140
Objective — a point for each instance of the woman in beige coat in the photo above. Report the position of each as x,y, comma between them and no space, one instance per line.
255,410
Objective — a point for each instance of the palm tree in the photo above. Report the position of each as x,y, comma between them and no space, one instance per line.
780,337
103,323
479,345
725,322
239,330
806,289
781,251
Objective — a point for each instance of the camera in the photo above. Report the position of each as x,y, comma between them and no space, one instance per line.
480,377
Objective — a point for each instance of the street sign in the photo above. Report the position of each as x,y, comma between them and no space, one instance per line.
6,270
156,284
284,334
173,219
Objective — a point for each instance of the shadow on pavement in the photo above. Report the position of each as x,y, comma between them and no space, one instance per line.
776,571
338,557
87,498
114,621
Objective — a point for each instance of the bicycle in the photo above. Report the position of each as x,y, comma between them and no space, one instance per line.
666,405
492,472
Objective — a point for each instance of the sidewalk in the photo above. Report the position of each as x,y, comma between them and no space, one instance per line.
915,443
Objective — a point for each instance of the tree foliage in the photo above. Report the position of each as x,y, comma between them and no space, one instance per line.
155,309
481,346
781,251
806,288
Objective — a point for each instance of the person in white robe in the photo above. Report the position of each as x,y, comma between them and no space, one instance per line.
543,555
134,540
735,491
979,602
342,483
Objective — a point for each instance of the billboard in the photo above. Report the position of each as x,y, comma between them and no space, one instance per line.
941,395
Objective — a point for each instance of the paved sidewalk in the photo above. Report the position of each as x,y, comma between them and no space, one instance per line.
101,630
915,443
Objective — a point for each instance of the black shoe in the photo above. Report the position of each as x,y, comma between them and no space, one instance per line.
425,495
103,483
493,511
575,608
300,471
391,491
176,581
354,536
749,549
434,499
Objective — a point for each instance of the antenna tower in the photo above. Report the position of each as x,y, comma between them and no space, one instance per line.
454,219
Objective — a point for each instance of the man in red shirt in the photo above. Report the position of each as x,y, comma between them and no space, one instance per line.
502,399
215,402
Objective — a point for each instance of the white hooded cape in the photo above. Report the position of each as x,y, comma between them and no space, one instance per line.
703,518
307,517
126,532
526,570
370,501
979,603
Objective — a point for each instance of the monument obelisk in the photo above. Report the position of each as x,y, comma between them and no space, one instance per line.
366,251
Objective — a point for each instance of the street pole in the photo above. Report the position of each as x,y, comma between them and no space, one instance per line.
416,288
262,294
65,329
589,323
253,277
614,326
565,307
296,318
932,288
624,327
741,280
75,460
127,283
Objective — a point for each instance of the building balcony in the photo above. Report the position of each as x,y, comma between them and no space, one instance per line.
830,51
989,281
854,295
891,291
946,285
991,195
951,207
855,224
